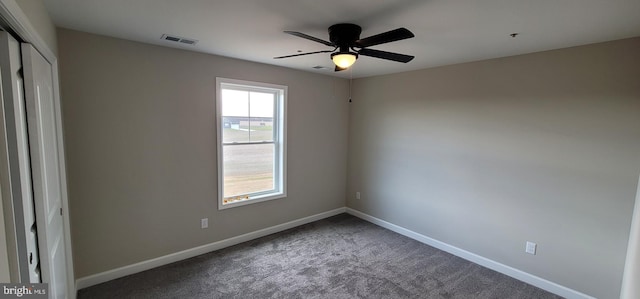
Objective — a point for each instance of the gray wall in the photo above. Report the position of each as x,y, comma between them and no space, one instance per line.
141,151
484,156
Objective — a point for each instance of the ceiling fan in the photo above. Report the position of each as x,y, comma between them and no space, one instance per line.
347,44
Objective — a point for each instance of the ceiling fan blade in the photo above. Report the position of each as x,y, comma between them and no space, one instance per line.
309,37
302,54
386,55
386,37
337,69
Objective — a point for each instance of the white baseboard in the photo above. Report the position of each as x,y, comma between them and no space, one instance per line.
552,287
94,279
472,257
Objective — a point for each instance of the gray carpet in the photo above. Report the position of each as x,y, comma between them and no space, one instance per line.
338,257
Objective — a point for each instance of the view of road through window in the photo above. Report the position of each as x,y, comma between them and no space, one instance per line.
247,168
248,151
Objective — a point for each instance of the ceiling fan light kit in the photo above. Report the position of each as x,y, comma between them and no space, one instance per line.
345,38
344,60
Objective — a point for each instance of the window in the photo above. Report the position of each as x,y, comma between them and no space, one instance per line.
251,122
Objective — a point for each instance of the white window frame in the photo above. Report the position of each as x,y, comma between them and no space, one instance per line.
280,141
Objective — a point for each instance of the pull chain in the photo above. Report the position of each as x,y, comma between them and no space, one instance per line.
350,81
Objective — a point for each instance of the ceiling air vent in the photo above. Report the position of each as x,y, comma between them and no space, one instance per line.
178,39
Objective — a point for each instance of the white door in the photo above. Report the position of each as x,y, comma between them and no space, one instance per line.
18,188
45,170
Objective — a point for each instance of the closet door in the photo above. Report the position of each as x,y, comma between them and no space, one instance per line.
16,169
45,169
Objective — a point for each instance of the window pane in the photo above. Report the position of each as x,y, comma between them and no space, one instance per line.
248,168
261,112
262,104
235,115
261,129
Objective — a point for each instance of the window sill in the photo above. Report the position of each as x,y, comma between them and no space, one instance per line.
251,200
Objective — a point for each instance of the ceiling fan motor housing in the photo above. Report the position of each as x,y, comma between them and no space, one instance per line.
344,36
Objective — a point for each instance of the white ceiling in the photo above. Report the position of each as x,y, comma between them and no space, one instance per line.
447,31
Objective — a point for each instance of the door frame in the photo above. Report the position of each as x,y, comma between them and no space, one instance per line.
15,18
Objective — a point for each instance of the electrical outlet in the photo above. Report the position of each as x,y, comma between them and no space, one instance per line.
204,222
357,195
531,248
